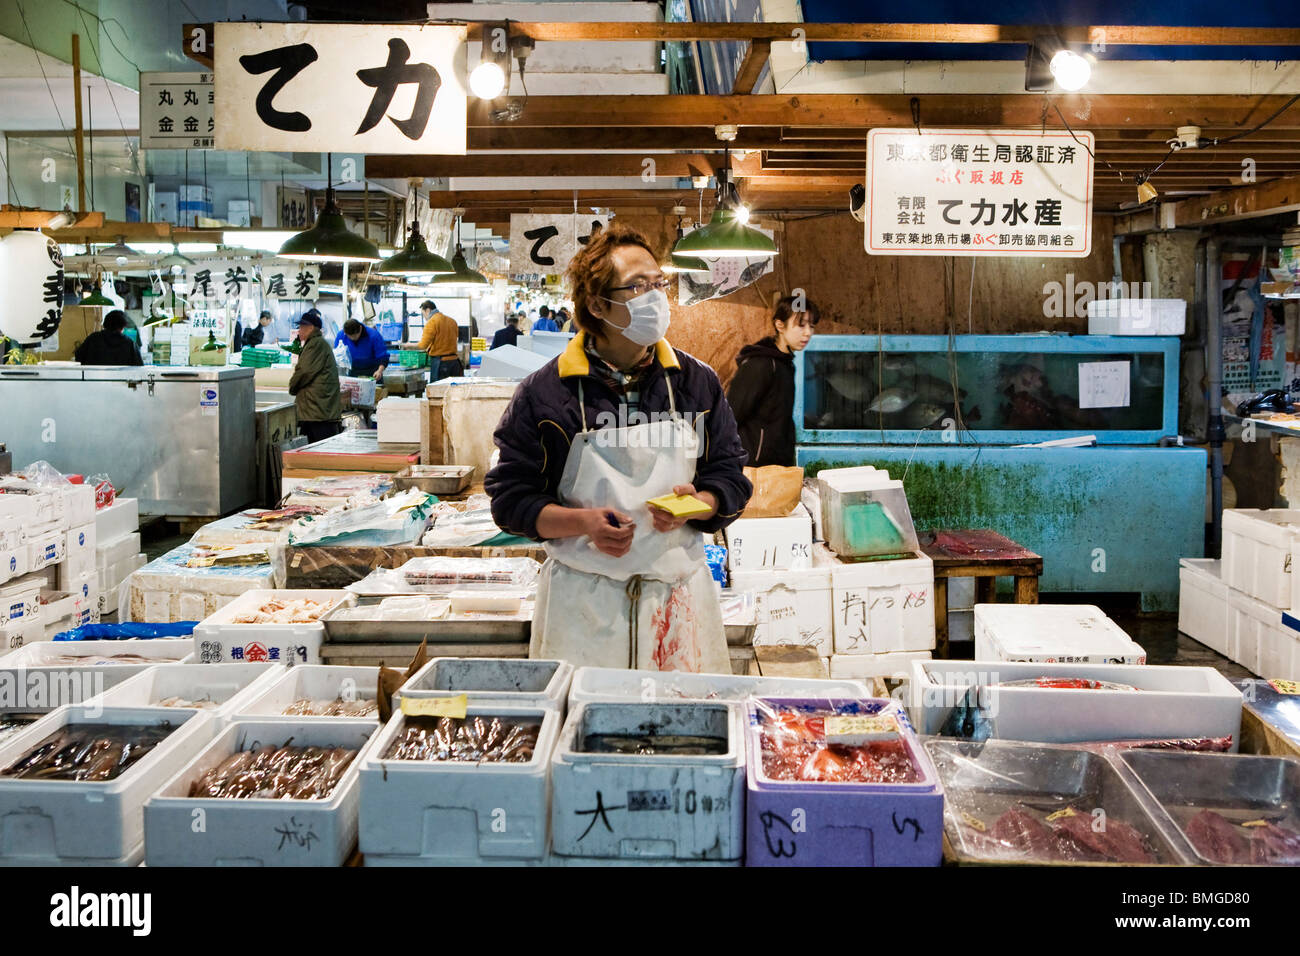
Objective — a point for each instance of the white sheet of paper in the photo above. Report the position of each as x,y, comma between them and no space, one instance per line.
1103,384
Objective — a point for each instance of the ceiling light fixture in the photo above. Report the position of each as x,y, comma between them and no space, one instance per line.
329,240
492,75
726,235
1049,61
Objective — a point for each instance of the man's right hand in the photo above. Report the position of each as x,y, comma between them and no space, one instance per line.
608,539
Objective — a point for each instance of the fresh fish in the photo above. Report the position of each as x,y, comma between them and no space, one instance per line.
855,388
922,415
929,388
898,363
891,400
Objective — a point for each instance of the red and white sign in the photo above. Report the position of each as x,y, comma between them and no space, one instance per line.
979,193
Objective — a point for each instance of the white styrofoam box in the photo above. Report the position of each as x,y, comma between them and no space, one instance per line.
79,551
511,362
109,553
961,594
118,520
228,686
1256,634
163,650
399,419
1257,552
11,533
662,806
793,607
612,683
258,831
64,821
13,562
1137,316
1051,633
770,544
883,607
84,588
218,639
961,625
893,666
1203,602
167,589
453,812
109,581
19,599
508,681
46,549
37,508
22,632
1171,702
73,606
79,505
316,682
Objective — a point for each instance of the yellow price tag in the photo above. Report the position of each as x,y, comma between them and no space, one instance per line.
1285,687
1067,812
435,706
1255,823
975,823
855,730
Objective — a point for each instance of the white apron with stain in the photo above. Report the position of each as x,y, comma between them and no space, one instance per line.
654,608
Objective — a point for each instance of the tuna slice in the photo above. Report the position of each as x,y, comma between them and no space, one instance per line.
1217,839
1117,843
1022,833
1275,845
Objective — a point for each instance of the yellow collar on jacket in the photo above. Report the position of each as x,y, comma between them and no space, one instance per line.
573,360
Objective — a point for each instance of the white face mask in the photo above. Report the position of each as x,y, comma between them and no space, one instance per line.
649,313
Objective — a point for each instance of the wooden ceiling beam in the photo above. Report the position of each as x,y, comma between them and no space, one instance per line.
554,164
1086,111
755,59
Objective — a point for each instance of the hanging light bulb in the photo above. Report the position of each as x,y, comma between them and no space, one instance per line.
488,80
1070,70
329,240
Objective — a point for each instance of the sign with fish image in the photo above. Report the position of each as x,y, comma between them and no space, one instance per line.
937,192
726,275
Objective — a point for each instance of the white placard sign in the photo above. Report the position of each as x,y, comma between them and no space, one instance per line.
340,87
979,193
1104,384
177,111
543,244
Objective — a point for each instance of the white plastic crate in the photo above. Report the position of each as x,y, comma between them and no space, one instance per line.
792,607
119,519
511,682
314,681
70,822
1122,316
1257,638
258,831
895,666
450,813
1203,602
218,639
883,607
229,686
770,544
163,650
612,683
1064,633
621,806
1256,552
1171,702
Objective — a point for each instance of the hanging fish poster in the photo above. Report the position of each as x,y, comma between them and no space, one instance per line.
725,277
1254,347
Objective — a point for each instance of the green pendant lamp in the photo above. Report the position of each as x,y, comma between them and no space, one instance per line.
95,297
678,263
329,240
415,259
174,261
461,276
725,237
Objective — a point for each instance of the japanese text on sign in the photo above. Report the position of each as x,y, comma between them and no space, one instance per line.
543,244
177,111
990,192
341,87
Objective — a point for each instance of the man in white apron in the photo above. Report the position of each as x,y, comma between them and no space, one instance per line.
619,418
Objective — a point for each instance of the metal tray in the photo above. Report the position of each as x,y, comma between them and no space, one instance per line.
1238,787
450,631
981,781
435,479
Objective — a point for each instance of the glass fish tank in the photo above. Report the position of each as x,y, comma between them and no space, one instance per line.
993,389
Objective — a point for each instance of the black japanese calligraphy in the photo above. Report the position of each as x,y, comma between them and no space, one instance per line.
387,78
598,813
203,283
287,62
275,285
1047,212
540,236
165,98
191,98
303,284
236,277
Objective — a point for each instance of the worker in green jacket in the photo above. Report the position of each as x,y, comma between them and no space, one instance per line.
314,384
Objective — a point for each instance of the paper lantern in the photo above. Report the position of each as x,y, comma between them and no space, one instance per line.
31,287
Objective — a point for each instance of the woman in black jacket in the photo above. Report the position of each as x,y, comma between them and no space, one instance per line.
762,392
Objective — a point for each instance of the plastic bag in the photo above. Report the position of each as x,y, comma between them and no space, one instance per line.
397,520
127,631
799,742
716,557
43,473
777,490
444,575
461,529
343,358
105,493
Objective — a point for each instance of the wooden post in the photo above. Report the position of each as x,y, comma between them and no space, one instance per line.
76,100
365,209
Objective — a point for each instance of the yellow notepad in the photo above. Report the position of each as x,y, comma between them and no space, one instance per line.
680,506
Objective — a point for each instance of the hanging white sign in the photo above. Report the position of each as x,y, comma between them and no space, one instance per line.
544,243
937,192
177,111
31,282
340,87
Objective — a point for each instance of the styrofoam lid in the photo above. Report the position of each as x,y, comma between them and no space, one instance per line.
1059,629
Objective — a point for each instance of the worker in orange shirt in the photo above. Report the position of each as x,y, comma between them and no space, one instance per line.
440,341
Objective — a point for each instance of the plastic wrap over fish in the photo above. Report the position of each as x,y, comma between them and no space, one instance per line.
794,745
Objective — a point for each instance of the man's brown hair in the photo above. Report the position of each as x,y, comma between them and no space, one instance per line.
591,272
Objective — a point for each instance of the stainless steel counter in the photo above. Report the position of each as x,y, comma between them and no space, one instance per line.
179,439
